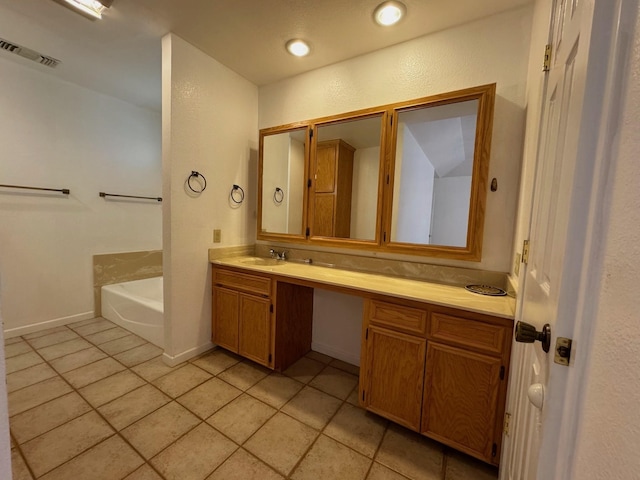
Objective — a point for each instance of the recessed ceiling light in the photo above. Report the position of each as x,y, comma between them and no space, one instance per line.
389,13
298,47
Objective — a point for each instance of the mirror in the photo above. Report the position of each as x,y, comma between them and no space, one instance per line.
282,169
410,177
346,172
432,175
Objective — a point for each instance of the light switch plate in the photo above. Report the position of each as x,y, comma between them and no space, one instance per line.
217,234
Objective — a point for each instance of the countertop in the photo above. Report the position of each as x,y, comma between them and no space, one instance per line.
416,290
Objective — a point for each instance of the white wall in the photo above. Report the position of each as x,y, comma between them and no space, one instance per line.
451,197
494,49
412,191
209,124
610,427
5,442
56,134
364,198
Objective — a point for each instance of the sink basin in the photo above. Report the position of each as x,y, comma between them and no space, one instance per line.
263,262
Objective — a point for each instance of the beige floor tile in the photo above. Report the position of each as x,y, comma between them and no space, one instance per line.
48,331
28,425
107,335
330,460
82,323
17,348
357,428
275,390
353,398
129,408
22,361
122,344
304,369
195,455
64,348
78,359
55,447
12,340
208,398
154,368
181,380
217,361
110,388
145,472
159,429
244,466
463,467
53,338
83,376
138,355
290,438
19,469
320,357
347,367
312,407
244,375
410,454
29,376
241,418
380,472
110,460
335,382
37,394
95,327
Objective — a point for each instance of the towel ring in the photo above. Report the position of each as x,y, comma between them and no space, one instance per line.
196,175
233,194
278,196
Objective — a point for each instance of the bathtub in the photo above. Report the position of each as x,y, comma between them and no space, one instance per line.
136,306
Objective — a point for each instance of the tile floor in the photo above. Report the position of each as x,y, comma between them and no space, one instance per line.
91,401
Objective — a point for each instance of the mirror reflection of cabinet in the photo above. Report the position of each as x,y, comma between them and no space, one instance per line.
416,184
332,194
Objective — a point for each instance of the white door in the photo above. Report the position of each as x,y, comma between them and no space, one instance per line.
539,443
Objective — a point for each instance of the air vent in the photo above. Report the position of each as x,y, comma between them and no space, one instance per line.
28,53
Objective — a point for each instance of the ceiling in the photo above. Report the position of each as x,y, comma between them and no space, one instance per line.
120,55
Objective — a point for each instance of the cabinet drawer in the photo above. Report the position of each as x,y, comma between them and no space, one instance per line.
467,333
406,319
242,281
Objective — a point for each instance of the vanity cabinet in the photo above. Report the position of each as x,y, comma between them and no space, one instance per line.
332,189
439,371
241,320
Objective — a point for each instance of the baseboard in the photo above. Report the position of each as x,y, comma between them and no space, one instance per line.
345,356
36,327
172,361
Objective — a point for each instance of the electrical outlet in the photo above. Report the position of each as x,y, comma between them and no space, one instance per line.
516,266
217,234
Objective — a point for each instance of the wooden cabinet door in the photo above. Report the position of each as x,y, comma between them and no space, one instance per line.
255,329
224,325
325,181
323,215
461,399
394,375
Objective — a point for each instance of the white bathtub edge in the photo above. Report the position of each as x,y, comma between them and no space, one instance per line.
172,361
56,322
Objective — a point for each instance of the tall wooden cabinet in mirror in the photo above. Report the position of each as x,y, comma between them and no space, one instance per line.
410,177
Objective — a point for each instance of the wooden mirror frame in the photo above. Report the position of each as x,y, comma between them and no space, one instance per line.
472,251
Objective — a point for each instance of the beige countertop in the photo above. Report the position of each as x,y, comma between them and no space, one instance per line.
416,290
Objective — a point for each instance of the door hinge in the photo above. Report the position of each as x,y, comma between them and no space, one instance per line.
366,334
363,395
311,133
391,119
384,236
502,372
271,308
494,450
307,232
546,65
270,357
308,183
525,252
387,179
507,419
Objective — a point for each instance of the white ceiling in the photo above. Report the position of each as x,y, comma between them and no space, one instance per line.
121,54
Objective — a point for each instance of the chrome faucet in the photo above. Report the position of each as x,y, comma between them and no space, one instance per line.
278,255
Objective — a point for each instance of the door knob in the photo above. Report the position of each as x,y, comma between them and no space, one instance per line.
526,333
